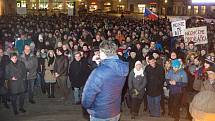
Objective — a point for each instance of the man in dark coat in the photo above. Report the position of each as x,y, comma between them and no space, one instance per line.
61,71
154,85
78,74
16,75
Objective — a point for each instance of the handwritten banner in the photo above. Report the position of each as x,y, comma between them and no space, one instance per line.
178,27
197,35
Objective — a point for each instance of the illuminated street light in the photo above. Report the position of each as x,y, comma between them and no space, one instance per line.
120,0
166,1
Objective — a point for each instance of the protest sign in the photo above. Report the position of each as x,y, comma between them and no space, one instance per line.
178,27
197,35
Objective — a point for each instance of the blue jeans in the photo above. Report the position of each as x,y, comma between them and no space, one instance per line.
31,84
154,105
116,118
77,94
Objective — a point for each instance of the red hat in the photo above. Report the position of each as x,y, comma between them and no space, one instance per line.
120,50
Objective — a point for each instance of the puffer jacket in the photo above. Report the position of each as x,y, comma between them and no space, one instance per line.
102,92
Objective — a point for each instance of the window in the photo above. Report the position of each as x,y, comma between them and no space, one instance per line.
43,4
21,3
141,8
212,8
57,4
189,10
196,9
203,10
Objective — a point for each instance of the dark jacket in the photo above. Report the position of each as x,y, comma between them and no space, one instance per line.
78,73
61,65
102,92
4,61
155,79
18,71
138,83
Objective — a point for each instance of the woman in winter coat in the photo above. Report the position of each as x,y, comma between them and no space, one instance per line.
136,84
49,75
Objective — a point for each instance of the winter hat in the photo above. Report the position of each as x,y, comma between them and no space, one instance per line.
120,50
176,63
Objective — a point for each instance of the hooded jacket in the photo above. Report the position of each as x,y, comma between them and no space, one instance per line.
102,92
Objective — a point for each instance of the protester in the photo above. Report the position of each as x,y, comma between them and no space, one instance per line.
102,92
31,64
154,85
49,75
136,84
61,72
16,75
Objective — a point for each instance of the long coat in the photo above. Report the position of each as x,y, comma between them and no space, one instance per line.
49,75
61,67
17,70
138,83
78,73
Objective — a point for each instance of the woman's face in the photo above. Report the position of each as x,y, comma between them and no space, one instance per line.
138,67
51,54
64,47
173,55
196,62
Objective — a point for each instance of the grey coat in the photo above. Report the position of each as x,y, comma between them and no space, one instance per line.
31,65
18,71
138,83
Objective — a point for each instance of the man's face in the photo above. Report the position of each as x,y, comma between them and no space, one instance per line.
191,46
211,75
152,44
14,59
1,52
152,62
78,57
27,50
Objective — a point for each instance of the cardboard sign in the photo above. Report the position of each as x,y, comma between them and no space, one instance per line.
197,35
178,27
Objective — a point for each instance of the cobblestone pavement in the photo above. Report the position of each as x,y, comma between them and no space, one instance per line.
55,109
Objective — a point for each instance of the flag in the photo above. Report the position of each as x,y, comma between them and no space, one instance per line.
149,14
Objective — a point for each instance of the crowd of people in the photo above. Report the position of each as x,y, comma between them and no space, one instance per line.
47,51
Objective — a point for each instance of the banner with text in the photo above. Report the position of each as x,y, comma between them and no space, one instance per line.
197,35
178,27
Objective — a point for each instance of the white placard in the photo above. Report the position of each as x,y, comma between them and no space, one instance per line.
21,10
197,35
178,27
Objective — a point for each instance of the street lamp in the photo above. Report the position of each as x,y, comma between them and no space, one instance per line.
166,1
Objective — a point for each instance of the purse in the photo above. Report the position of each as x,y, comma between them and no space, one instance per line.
133,92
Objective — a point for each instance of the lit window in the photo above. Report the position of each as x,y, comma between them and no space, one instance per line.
43,4
196,9
141,8
189,7
203,10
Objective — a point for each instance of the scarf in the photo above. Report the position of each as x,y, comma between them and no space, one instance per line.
138,73
51,60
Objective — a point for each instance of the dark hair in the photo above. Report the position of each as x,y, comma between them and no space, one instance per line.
60,49
13,54
151,57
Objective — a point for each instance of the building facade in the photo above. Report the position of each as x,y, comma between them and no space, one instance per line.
188,8
161,7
